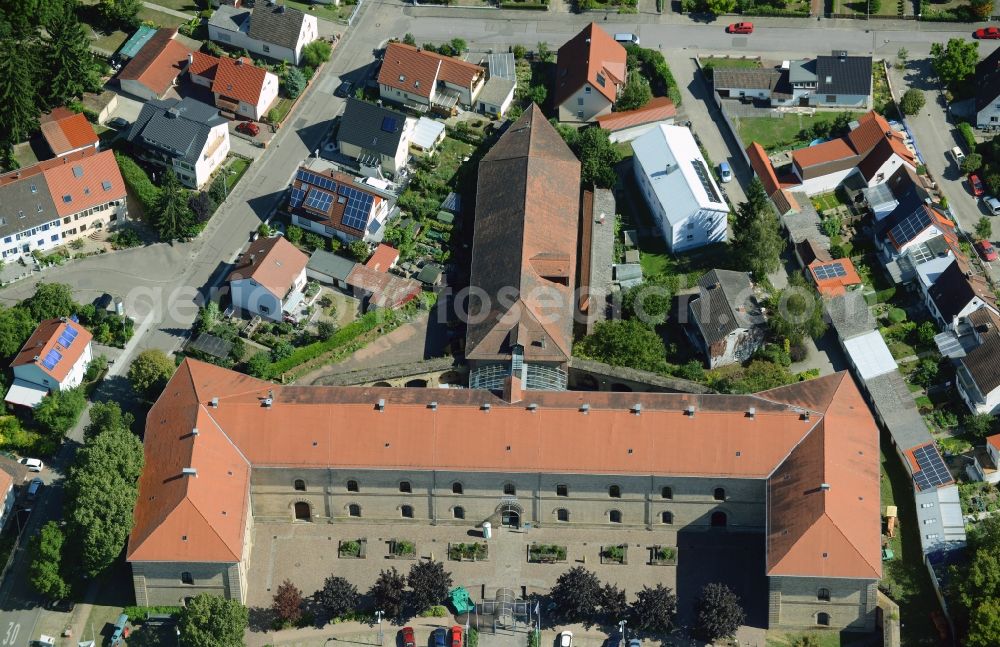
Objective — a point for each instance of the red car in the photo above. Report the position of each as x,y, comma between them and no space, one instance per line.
986,250
248,127
987,33
456,636
406,634
975,184
740,28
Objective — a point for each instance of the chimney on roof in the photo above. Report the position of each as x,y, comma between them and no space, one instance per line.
512,389
189,471
380,405
485,407
585,408
690,410
637,408
190,58
194,431
752,413
267,402
433,405
239,61
215,403
824,487
805,416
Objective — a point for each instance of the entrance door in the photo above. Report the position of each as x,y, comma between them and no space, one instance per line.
718,519
302,512
510,519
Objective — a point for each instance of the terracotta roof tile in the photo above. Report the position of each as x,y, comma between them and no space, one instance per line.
338,427
46,338
383,258
38,169
835,285
86,182
415,70
204,65
274,263
66,131
158,63
387,290
586,58
657,109
239,79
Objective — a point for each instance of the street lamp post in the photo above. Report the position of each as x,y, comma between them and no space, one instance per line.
621,629
378,616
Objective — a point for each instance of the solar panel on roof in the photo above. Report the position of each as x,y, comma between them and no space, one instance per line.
912,225
389,124
65,341
71,332
295,200
706,182
359,205
51,359
933,471
318,200
832,271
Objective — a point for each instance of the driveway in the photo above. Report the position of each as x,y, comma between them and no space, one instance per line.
127,108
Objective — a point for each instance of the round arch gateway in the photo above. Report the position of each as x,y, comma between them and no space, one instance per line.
510,514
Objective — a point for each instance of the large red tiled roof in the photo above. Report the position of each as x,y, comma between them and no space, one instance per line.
415,70
158,63
204,65
340,427
239,79
84,183
383,258
66,131
657,109
274,263
41,167
46,338
582,58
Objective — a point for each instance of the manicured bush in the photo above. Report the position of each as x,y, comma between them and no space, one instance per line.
897,315
968,135
368,322
138,182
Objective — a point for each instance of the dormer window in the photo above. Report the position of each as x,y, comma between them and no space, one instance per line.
402,78
601,81
416,84
586,89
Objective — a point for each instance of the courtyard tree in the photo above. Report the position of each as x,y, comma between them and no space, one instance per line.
598,157
649,301
718,613
984,228
316,53
577,596
45,572
636,94
614,604
955,62
459,46
16,326
626,342
173,217
212,621
59,410
359,250
543,52
150,372
51,300
796,312
429,585
338,597
260,365
979,425
287,604
757,237
387,593
912,101
654,609
104,416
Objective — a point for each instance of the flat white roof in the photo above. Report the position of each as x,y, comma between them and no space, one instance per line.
931,270
25,393
870,355
426,133
679,175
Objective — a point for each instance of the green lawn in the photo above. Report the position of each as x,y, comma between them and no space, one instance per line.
826,201
237,168
159,18
189,6
109,42
280,110
821,638
624,149
449,157
325,11
780,134
905,578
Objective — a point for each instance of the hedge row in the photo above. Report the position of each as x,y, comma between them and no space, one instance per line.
658,66
968,135
138,182
138,614
772,11
348,333
528,6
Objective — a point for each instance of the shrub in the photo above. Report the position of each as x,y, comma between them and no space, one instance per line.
295,83
912,101
316,53
659,70
897,315
968,135
293,234
125,238
138,182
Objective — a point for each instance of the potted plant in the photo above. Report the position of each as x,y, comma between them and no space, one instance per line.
616,554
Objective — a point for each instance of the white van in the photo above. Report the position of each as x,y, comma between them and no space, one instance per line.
626,38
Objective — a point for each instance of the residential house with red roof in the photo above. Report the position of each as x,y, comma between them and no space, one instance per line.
423,80
157,66
269,278
590,74
375,287
54,358
833,277
65,132
329,202
240,87
797,466
629,124
89,194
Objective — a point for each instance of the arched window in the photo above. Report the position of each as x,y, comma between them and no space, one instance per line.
456,488
302,511
562,514
186,578
300,485
354,510
615,492
615,516
562,490
352,486
406,511
509,489
720,494
458,512
823,619
823,594
667,517
404,487
666,492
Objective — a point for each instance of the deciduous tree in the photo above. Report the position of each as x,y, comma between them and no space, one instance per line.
121,12
59,410
649,301
796,312
149,372
757,238
287,605
104,416
614,605
719,7
654,609
16,325
979,425
982,9
212,621
984,228
388,592
543,52
316,53
577,595
636,94
46,552
338,597
912,101
429,584
718,613
598,157
50,300
955,62
626,342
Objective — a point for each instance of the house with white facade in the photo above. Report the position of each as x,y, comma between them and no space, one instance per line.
272,30
835,81
54,358
725,322
269,278
422,80
957,293
240,87
376,136
978,372
185,135
590,74
156,67
9,496
331,203
679,188
988,91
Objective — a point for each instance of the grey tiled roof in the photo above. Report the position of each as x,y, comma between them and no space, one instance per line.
750,79
230,18
850,315
276,24
495,90
17,198
987,80
844,75
371,127
176,127
717,309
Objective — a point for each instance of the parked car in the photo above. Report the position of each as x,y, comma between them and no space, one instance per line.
119,123
566,639
248,127
993,205
986,250
439,637
740,28
957,153
725,172
121,630
627,38
456,636
33,464
343,90
406,637
33,488
634,642
987,33
975,185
